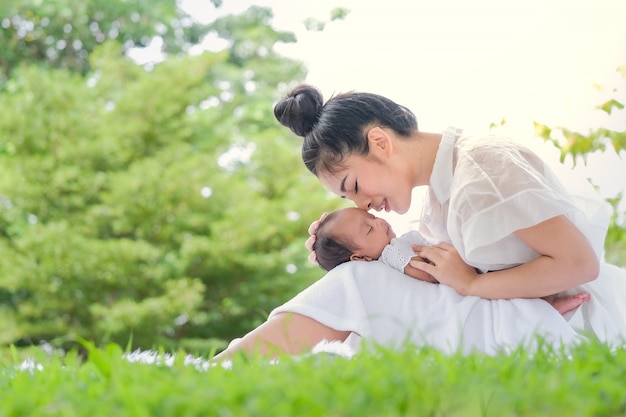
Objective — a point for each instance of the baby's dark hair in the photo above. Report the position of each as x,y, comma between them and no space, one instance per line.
338,128
330,249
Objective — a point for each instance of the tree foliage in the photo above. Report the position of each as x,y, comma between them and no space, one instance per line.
63,33
164,206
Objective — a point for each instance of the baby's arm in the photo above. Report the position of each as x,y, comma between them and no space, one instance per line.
400,252
418,273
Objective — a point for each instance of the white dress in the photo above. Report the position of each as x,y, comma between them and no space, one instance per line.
390,308
484,189
481,191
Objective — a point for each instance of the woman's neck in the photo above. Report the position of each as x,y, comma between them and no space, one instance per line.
421,153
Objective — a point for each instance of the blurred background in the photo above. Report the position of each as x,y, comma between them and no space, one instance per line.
148,197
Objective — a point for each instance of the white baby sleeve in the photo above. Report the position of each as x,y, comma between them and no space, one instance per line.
399,251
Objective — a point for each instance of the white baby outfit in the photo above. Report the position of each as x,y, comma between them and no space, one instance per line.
399,251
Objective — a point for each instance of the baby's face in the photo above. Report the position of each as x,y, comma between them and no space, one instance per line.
369,234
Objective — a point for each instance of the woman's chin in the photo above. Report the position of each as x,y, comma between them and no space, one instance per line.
400,210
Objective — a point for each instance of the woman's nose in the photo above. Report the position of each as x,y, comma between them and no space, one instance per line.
363,204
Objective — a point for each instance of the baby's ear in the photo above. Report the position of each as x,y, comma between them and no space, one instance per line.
355,257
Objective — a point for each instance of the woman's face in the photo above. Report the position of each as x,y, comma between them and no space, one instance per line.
371,184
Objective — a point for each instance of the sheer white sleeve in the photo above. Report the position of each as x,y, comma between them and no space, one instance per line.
500,188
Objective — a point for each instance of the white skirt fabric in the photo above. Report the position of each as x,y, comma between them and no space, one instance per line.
604,316
384,306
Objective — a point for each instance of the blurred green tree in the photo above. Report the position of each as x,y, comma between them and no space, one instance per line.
63,33
163,204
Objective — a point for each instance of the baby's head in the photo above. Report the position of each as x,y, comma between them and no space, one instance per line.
350,234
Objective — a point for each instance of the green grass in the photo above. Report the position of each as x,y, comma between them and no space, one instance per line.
591,381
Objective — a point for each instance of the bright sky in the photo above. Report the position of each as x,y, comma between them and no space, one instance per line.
467,63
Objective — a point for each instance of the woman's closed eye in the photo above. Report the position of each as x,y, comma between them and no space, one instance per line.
356,187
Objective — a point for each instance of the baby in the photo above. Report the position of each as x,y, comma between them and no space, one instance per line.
352,234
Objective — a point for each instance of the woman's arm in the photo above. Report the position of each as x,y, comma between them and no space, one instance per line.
566,260
289,333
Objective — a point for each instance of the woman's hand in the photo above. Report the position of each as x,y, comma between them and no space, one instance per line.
443,263
566,260
311,240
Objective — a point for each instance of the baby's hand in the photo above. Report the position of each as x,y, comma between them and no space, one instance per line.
418,273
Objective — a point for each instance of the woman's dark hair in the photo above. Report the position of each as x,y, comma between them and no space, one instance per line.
337,129
330,249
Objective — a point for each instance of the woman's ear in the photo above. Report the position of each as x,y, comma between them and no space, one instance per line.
355,257
379,141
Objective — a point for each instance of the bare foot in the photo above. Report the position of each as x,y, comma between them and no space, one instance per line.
565,303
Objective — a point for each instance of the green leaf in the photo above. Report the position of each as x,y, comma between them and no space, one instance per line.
609,106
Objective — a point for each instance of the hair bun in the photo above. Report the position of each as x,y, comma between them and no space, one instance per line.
300,109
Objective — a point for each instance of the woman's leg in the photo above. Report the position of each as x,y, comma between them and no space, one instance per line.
289,333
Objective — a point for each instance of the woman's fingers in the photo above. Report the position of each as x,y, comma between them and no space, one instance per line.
309,242
443,262
313,227
444,246
435,253
424,265
418,273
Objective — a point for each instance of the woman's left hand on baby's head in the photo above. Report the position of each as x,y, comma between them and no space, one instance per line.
311,240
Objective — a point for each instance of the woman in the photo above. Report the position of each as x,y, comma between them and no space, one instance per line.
500,207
